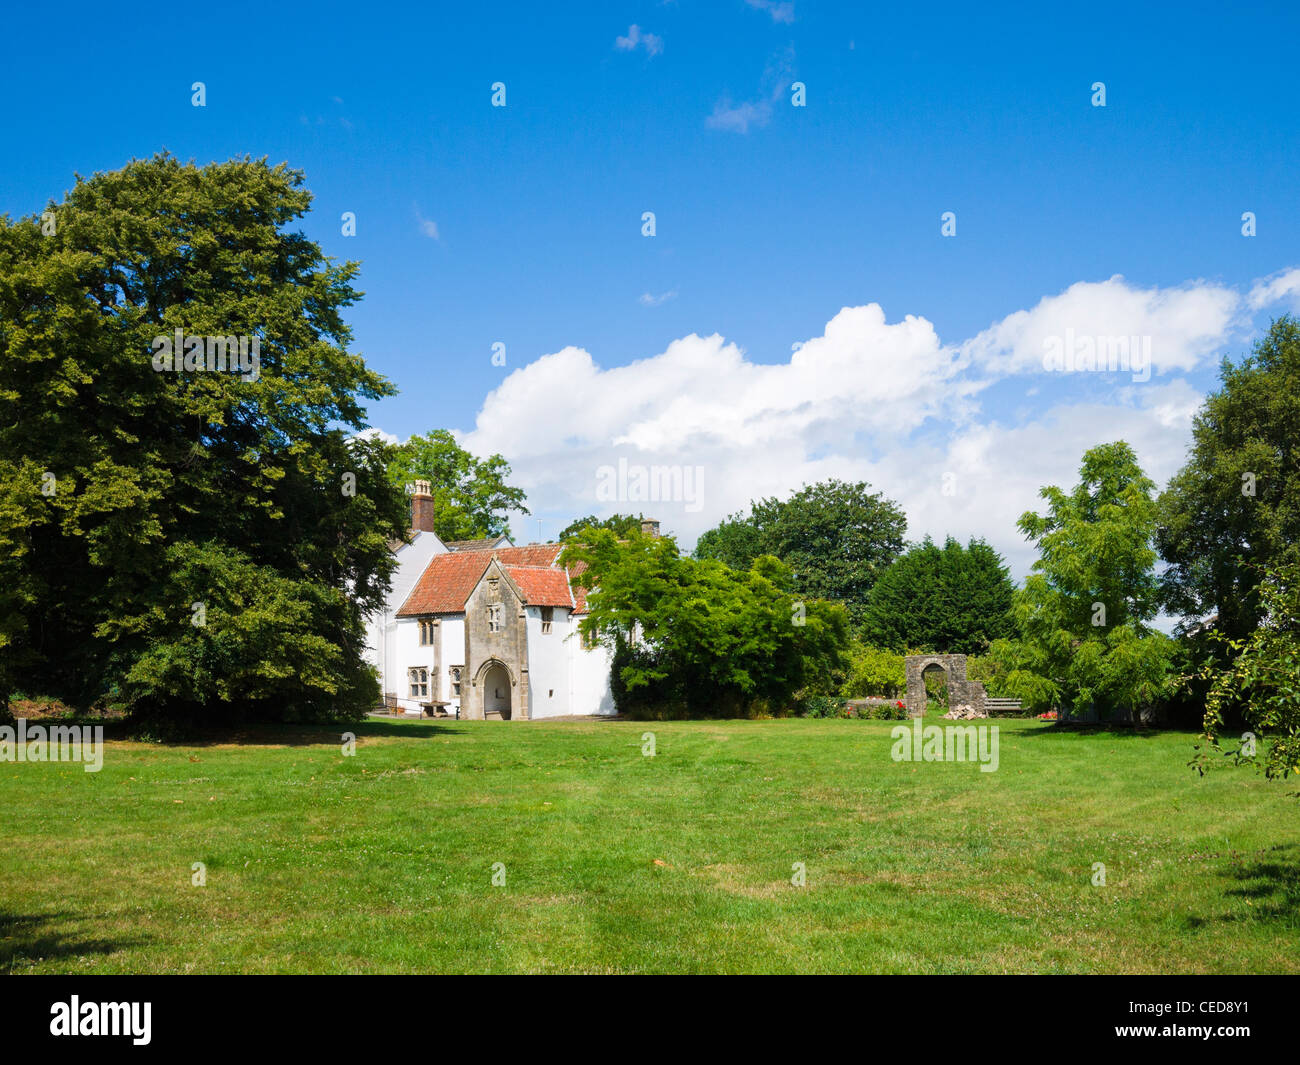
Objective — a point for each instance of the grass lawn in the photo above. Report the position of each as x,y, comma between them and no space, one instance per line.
616,862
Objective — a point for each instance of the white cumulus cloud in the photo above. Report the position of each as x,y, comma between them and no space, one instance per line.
889,402
1283,287
1186,325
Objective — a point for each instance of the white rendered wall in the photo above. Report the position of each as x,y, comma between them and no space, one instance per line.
589,691
381,628
548,664
407,653
453,654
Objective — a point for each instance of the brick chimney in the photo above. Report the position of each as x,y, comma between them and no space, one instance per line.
649,527
422,508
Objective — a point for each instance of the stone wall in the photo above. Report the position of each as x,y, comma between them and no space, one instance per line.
961,692
483,647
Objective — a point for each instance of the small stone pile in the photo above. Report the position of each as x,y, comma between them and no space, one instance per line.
964,712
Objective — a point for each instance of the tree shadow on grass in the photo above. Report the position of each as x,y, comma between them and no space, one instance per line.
1110,732
279,735
318,735
1269,881
271,734
35,937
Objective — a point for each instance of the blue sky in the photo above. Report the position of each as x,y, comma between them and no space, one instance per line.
522,224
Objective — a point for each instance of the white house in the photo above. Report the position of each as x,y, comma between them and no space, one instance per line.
484,629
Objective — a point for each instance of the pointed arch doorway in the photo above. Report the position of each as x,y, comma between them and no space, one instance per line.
496,685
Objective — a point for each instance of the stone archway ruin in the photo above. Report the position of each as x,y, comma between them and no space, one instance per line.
961,692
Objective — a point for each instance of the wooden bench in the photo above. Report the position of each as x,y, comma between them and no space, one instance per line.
1002,706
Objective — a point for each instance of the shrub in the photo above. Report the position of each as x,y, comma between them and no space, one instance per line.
823,706
991,672
874,671
894,710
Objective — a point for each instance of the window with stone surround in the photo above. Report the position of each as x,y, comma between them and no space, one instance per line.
454,671
548,615
418,677
494,617
426,632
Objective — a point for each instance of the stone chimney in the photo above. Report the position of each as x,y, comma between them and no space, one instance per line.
649,527
422,508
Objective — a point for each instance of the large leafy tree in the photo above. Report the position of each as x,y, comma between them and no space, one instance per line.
837,537
1084,613
17,582
1234,508
622,525
190,541
1262,680
471,498
952,599
698,638
736,541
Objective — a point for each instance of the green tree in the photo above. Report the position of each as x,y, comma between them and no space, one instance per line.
621,525
837,538
17,582
950,599
696,638
736,541
1234,508
1262,680
471,498
1083,614
137,500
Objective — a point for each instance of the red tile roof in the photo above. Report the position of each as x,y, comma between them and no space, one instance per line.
542,585
579,594
447,581
475,545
